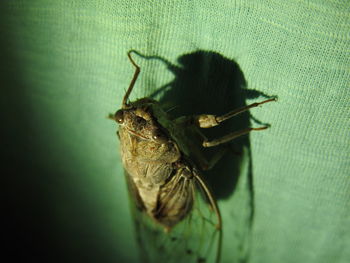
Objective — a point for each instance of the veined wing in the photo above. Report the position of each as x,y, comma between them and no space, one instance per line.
196,238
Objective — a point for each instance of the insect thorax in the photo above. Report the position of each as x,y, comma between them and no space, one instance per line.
156,169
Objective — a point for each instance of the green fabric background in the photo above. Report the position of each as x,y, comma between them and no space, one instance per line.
64,68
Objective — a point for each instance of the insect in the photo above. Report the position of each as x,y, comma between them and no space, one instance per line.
177,218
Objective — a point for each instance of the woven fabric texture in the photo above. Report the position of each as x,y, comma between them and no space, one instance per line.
66,68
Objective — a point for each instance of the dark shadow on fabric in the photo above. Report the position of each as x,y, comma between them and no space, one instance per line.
208,82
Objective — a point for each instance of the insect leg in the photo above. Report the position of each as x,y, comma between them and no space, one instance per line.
231,136
208,120
217,157
132,83
201,160
205,164
216,210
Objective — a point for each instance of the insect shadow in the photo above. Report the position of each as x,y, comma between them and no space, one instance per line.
206,82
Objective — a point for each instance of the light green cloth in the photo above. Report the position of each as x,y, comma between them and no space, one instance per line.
66,69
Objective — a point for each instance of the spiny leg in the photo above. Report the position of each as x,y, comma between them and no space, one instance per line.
197,153
231,136
208,120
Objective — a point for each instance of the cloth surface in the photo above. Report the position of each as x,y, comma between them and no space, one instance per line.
65,68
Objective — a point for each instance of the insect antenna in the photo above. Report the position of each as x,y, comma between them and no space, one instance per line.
132,83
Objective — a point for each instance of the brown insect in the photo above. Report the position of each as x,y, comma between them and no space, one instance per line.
175,211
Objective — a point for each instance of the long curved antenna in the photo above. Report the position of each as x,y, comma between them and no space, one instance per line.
132,83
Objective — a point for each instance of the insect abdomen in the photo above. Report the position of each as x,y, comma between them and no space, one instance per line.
175,200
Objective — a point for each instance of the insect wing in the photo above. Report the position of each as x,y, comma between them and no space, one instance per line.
196,238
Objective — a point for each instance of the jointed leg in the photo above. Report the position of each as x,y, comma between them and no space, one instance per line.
208,120
231,136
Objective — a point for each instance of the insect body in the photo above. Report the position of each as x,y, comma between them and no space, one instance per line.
162,171
157,169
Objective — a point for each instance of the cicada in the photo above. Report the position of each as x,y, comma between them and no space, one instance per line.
177,217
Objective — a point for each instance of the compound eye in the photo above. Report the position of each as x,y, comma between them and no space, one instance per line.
159,137
119,116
